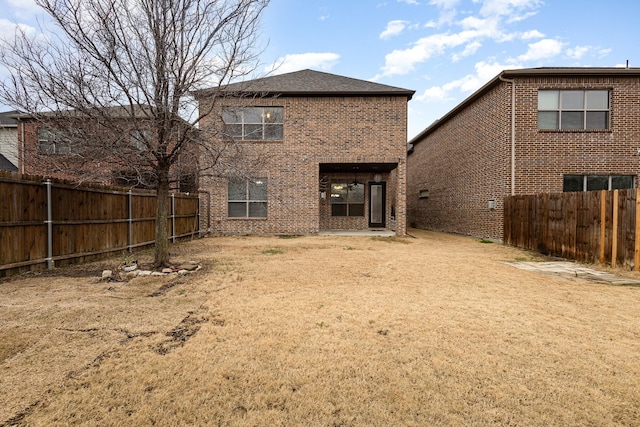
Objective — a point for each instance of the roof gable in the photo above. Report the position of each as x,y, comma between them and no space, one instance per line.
313,83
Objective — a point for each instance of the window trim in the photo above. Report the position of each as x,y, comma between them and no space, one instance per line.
584,110
248,136
609,177
247,200
52,143
348,203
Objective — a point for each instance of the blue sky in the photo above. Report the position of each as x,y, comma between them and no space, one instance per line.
442,49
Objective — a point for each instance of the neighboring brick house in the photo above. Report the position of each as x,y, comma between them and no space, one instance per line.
8,141
337,155
74,150
526,131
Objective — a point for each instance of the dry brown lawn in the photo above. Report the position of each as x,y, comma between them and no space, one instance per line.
321,331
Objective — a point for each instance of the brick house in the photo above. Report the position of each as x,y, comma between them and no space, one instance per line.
527,131
8,141
75,148
336,151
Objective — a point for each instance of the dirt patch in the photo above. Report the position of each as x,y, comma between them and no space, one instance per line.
329,330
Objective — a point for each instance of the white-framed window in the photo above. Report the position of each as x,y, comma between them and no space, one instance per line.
139,139
347,199
597,182
51,143
247,198
573,109
253,123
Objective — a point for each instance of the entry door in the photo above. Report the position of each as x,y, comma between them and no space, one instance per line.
377,204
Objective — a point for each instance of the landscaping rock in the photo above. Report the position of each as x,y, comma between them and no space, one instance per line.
157,273
144,273
190,266
167,270
107,274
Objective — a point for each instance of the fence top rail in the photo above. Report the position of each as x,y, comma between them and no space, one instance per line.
36,180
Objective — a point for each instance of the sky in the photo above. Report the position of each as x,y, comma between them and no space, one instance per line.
442,49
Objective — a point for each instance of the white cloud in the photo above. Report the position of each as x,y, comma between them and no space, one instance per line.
533,34
295,62
401,62
474,30
484,71
408,1
577,52
512,9
8,29
444,4
469,50
544,49
393,29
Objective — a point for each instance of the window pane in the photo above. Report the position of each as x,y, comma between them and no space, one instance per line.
547,120
547,100
273,132
339,210
356,193
572,100
597,182
253,115
258,210
572,120
338,193
356,209
273,115
572,183
231,115
237,209
237,190
258,189
597,120
233,131
597,99
621,182
252,131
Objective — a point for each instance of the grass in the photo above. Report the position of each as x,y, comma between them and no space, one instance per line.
436,331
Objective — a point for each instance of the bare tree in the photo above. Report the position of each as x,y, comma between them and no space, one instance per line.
116,79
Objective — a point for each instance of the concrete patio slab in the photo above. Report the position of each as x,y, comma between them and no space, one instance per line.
572,270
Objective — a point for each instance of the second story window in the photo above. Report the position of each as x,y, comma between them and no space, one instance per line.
51,143
253,123
139,139
573,109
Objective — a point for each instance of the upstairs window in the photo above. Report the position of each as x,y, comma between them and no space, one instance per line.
139,139
573,109
347,199
253,123
247,198
597,182
51,143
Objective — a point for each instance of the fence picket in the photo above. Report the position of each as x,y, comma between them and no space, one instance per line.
82,221
587,226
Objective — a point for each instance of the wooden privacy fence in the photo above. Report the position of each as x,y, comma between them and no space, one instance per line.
43,221
592,226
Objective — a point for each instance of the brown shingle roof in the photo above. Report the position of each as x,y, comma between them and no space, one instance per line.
315,83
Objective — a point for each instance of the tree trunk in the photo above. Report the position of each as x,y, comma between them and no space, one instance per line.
161,257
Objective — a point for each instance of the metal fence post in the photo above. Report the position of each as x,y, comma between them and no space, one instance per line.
173,217
198,216
49,222
130,219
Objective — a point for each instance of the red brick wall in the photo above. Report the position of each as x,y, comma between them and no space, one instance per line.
317,130
467,160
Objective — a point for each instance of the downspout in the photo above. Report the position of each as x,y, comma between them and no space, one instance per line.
23,155
513,133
